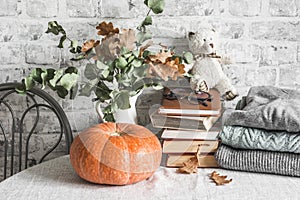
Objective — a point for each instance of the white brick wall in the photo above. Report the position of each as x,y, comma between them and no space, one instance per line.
261,36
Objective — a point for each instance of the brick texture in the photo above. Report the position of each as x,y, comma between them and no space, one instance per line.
283,7
42,8
8,8
245,7
262,38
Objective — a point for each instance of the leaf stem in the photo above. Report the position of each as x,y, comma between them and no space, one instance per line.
148,12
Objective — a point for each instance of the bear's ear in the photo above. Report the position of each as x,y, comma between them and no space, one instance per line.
191,34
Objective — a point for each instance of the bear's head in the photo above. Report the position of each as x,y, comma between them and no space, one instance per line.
202,41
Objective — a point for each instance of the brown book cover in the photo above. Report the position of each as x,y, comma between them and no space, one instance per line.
177,160
186,103
190,146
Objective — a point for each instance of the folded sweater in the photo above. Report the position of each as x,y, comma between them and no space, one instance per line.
252,138
258,161
270,108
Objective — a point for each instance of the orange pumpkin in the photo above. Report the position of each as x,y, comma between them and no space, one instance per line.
115,153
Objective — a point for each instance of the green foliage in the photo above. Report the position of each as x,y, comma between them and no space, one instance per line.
113,77
188,57
157,6
62,81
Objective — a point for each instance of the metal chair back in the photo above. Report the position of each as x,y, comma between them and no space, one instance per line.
23,122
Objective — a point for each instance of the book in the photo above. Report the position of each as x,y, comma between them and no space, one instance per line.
212,134
183,122
177,160
183,105
190,146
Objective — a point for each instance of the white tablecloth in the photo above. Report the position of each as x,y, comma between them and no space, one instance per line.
55,179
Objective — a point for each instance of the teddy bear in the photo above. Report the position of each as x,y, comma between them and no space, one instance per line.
207,71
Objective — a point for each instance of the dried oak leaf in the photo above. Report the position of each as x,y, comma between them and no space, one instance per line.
109,49
89,45
161,70
143,48
127,39
161,56
189,167
218,179
176,64
106,29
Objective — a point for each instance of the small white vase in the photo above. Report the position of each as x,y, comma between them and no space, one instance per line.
124,116
128,115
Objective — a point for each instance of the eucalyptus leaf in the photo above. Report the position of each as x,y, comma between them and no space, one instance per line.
124,50
36,75
105,73
69,80
57,76
121,63
138,84
90,54
21,88
136,53
74,48
127,55
44,75
77,58
188,57
157,6
91,71
102,91
122,99
109,117
50,73
29,83
61,41
139,72
147,21
101,65
143,36
61,91
73,91
71,70
55,28
88,87
136,63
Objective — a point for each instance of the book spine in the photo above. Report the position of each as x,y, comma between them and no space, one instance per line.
190,146
205,160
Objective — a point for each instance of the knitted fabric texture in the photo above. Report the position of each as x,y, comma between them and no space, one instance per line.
252,138
258,161
268,108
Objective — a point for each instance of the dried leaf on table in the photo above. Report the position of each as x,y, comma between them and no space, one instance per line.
189,167
106,29
218,179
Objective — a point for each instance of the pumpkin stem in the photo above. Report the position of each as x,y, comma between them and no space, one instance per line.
115,134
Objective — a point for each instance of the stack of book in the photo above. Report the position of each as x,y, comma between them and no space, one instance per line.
189,128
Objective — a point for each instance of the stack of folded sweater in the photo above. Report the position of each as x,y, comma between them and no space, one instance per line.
263,133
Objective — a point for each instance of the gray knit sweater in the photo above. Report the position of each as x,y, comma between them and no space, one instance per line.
268,108
258,161
252,138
